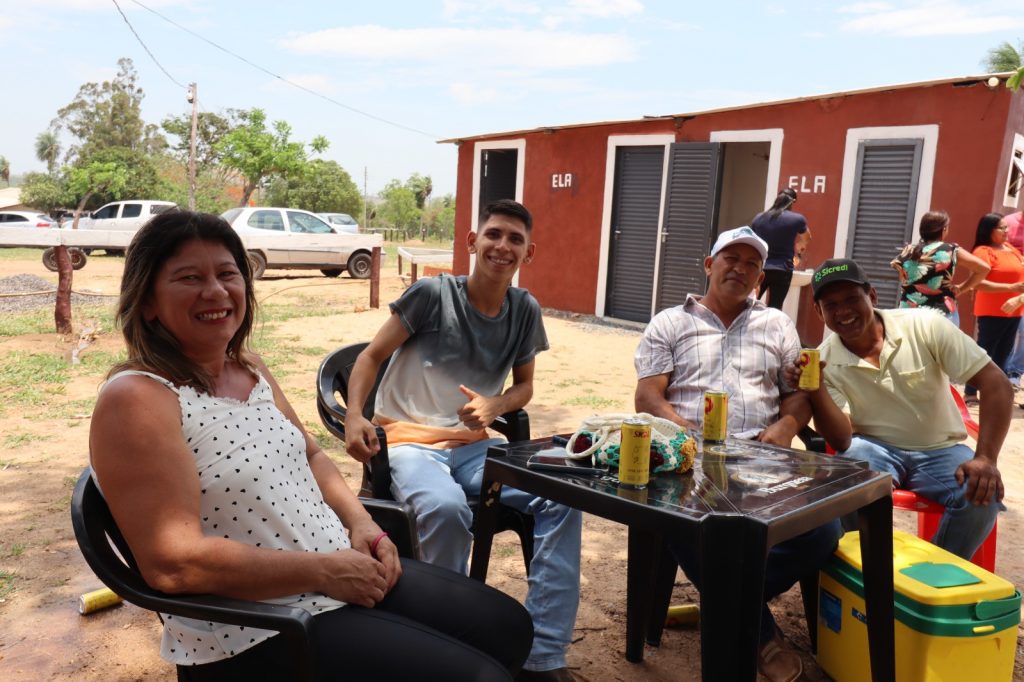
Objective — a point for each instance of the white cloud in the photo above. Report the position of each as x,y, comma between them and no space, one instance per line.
606,8
865,8
927,19
470,95
493,48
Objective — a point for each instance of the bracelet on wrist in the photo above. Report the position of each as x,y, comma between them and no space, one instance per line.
376,541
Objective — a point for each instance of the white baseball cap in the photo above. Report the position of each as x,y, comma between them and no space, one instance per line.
741,235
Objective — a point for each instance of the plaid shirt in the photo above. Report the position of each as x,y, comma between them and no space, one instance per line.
691,344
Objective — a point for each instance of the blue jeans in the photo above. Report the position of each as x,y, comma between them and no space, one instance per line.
788,562
436,483
931,474
1015,364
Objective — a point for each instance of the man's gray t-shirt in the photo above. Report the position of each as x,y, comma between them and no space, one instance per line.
453,343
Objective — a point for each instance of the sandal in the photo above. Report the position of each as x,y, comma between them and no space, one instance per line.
779,663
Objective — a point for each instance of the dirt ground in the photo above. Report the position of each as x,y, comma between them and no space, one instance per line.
45,405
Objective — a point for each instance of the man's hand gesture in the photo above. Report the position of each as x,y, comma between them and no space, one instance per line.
479,412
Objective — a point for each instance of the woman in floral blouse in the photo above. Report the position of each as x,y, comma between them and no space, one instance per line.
928,267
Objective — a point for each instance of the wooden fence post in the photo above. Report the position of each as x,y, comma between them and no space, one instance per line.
375,278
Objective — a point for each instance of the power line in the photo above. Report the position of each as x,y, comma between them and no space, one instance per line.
137,37
282,78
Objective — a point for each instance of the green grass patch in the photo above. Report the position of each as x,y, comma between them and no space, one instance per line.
300,306
20,368
7,579
23,438
324,438
14,550
21,254
40,320
4,463
591,400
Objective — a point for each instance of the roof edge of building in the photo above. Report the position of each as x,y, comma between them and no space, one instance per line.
967,80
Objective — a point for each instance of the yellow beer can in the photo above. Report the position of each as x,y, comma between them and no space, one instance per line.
810,370
635,453
682,615
97,599
716,416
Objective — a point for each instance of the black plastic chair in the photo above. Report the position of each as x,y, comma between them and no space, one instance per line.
108,555
332,380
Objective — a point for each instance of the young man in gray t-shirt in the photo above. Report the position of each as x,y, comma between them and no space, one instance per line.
453,342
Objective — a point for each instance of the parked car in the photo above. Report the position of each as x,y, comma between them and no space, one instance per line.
293,239
342,222
25,219
127,215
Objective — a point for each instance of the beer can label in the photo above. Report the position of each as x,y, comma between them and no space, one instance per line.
97,599
635,453
810,371
716,416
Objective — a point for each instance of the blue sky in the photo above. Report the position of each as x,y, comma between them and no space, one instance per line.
449,68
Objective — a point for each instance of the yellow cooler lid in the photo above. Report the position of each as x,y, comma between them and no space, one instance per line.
929,574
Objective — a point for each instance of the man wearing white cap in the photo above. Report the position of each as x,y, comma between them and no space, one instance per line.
728,341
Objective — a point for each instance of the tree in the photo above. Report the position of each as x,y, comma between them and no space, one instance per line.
439,217
48,149
422,186
5,170
136,170
398,207
109,114
319,186
211,128
84,181
1004,57
259,154
44,192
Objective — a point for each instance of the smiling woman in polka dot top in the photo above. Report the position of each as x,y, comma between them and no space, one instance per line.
218,489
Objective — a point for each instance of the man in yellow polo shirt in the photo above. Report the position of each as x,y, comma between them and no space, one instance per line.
885,399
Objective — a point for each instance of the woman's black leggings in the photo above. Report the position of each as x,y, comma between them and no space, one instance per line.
777,284
434,625
996,335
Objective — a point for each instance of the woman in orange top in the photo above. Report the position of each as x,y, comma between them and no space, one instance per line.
996,328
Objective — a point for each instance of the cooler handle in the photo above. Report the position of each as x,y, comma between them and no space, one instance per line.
994,608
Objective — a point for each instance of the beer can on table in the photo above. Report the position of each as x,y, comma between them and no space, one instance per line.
810,370
716,416
97,599
635,453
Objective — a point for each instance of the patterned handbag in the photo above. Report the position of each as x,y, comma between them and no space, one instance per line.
672,447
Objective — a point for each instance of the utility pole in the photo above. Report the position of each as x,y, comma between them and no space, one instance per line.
193,98
366,199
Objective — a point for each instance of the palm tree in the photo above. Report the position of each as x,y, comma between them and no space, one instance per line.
1004,57
48,149
5,170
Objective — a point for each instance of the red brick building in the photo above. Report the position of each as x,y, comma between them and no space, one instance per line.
625,211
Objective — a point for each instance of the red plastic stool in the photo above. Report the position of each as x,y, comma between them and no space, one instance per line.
928,515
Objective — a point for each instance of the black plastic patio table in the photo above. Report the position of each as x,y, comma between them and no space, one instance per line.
741,498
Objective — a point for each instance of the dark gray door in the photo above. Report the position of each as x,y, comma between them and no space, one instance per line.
691,202
497,175
634,226
882,216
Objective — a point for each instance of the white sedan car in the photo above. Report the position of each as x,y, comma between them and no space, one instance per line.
292,239
25,219
342,222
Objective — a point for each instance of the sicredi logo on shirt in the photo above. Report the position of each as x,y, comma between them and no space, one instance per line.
820,274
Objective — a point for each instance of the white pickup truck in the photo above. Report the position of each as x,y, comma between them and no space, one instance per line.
127,216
